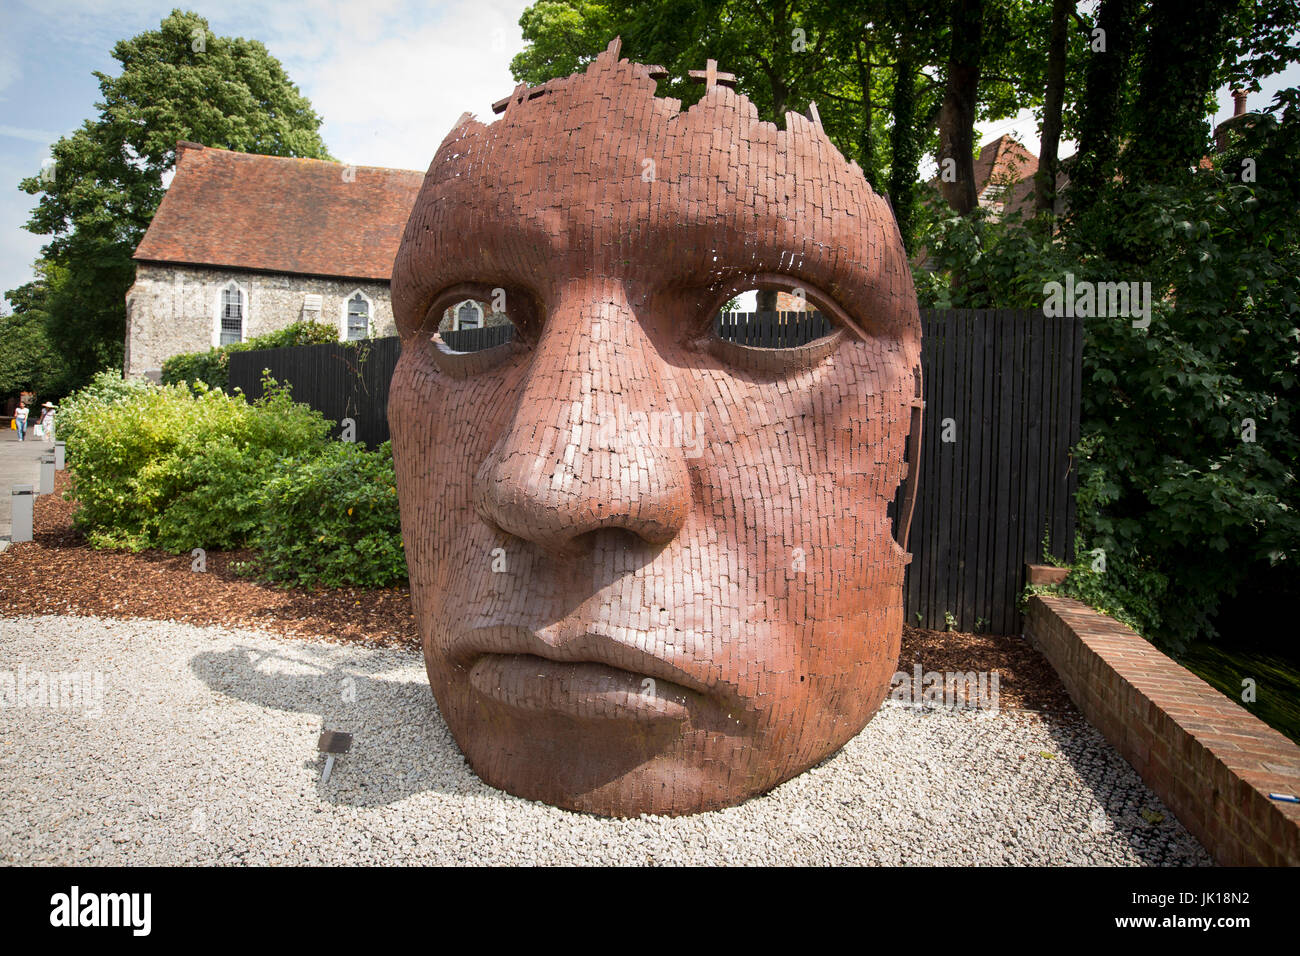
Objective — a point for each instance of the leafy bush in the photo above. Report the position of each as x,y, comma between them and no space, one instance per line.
331,520
105,390
998,263
179,467
1193,453
212,367
1190,454
175,467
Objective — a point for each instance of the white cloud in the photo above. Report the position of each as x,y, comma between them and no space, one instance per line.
44,137
18,247
9,71
390,94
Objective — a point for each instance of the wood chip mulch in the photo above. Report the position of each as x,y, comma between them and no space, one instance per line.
1026,680
58,572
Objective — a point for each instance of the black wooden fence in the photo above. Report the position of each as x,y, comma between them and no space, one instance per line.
1001,418
1001,392
339,381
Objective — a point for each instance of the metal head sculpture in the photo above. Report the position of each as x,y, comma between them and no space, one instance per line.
654,571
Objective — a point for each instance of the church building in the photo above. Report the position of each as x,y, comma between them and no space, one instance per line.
243,244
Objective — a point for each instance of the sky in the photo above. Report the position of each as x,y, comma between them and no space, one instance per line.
389,77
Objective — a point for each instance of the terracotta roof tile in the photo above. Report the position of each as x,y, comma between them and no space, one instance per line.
277,214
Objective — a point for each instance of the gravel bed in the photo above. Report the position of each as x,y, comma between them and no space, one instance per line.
204,753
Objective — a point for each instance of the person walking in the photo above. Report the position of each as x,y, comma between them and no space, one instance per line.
20,416
45,424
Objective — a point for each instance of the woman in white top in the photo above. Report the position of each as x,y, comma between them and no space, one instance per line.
45,424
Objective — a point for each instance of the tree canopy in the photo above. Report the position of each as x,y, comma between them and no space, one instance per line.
1189,463
179,82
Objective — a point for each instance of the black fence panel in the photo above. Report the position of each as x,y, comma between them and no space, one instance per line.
475,340
339,381
1001,391
997,476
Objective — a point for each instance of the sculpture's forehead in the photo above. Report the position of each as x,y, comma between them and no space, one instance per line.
596,173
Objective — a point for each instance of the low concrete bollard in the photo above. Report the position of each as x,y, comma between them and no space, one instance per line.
20,513
60,455
47,475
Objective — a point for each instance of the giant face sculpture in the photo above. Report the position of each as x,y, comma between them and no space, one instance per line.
654,571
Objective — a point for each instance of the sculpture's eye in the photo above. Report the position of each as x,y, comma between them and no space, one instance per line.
774,329
472,328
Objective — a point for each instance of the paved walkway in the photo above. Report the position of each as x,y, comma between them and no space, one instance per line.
20,464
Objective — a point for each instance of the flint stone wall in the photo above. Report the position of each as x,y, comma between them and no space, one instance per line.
173,309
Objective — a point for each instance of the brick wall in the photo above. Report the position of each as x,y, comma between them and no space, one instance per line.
1207,757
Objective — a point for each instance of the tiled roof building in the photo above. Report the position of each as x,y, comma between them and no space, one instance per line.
243,244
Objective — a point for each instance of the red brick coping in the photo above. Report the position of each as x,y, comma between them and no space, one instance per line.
1207,757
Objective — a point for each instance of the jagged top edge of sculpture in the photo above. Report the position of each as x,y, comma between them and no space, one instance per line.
797,124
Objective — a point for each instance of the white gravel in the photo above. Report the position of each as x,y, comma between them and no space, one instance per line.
205,752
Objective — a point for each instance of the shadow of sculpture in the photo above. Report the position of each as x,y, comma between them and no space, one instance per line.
401,745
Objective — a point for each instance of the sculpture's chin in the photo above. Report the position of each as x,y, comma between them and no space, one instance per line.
624,764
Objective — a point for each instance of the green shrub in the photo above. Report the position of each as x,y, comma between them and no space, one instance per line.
213,366
179,467
1189,468
105,390
1125,586
176,467
331,520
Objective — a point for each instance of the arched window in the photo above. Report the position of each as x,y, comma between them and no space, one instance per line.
469,315
356,317
232,309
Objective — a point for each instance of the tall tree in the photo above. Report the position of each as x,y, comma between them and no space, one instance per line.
1105,99
961,98
1180,67
28,359
179,82
562,37
1053,101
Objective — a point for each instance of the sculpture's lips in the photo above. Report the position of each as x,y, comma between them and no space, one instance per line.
577,688
587,675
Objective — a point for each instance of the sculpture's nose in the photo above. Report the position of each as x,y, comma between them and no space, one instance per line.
586,447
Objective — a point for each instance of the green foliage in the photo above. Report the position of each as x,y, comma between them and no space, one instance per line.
106,390
1196,452
212,367
29,359
984,263
1123,586
179,82
331,520
209,368
1188,467
846,57
563,37
173,467
179,467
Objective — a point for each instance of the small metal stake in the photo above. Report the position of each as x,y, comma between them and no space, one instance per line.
332,743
